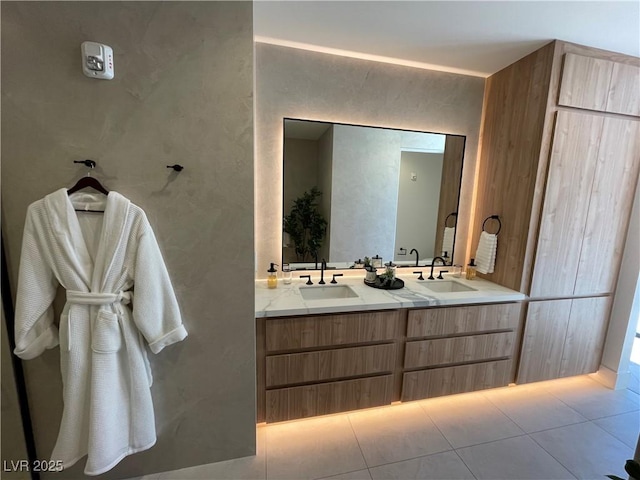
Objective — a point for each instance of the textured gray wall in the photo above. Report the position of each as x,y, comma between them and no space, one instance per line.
183,93
12,441
366,164
418,204
301,84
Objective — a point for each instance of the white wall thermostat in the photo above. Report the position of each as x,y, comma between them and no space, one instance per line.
97,60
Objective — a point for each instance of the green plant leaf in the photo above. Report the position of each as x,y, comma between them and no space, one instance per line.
306,226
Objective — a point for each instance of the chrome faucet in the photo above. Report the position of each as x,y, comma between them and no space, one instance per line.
323,266
417,255
433,262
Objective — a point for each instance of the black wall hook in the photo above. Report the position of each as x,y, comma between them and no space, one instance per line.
88,163
176,167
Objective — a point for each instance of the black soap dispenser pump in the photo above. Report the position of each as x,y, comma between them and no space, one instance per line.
272,276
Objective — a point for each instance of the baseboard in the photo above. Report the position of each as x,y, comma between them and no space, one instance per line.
611,379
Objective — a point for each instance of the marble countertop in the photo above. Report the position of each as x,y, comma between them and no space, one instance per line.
287,300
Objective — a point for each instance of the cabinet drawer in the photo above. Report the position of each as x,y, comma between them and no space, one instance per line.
330,364
293,333
442,351
463,378
321,399
436,322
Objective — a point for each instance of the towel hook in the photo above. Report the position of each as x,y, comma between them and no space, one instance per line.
176,167
88,163
454,214
493,217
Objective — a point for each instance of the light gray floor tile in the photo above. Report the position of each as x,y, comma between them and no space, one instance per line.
467,420
397,433
314,448
533,409
441,466
600,403
512,458
322,447
586,450
582,384
358,475
625,427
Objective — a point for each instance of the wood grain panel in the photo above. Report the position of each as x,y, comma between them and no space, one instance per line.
585,82
435,322
610,204
463,378
291,333
543,342
260,371
512,128
443,351
321,399
616,57
330,364
624,91
564,213
586,332
450,187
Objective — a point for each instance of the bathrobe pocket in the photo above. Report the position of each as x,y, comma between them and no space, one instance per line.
106,337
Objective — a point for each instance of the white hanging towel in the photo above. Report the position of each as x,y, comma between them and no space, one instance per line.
486,253
447,240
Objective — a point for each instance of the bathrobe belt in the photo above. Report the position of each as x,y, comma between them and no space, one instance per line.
75,297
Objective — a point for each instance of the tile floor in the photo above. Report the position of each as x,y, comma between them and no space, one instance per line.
561,429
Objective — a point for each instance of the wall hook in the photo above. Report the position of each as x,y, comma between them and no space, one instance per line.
88,163
176,167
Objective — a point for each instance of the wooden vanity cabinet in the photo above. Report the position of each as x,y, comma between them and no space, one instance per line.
320,364
460,349
559,163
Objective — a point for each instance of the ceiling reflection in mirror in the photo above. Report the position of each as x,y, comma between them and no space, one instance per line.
352,191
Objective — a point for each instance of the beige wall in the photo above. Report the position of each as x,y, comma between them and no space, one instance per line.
310,85
182,94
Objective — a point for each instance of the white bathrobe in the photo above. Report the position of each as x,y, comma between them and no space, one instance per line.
98,259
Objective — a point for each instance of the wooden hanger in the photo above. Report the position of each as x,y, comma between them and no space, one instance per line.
86,182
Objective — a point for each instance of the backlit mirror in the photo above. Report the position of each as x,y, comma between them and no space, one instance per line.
352,191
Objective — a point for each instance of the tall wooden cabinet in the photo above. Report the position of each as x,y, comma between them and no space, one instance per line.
592,177
559,163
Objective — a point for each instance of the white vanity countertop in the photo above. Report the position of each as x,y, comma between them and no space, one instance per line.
287,300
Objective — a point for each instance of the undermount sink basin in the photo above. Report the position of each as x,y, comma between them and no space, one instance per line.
328,292
448,286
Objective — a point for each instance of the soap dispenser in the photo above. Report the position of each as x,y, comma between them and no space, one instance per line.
272,276
471,270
